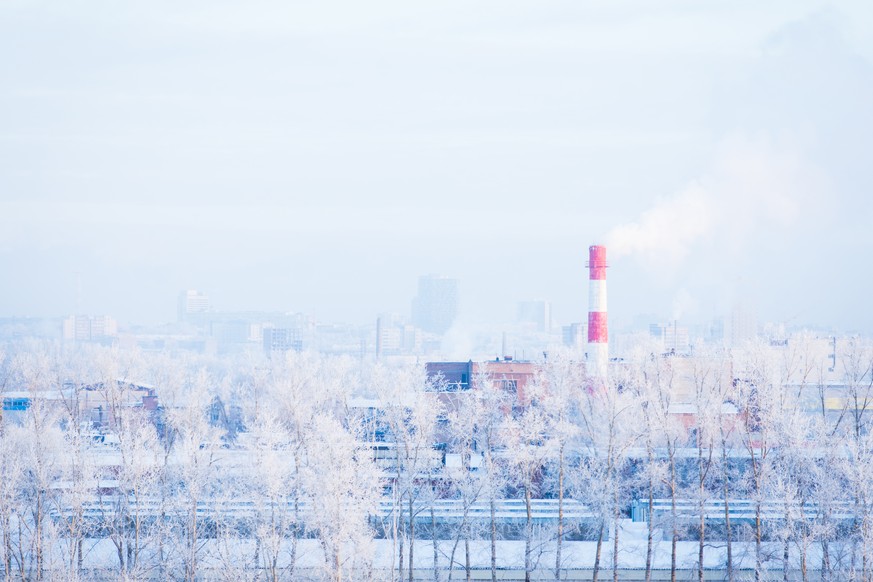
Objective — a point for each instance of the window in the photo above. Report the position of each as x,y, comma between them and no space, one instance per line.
16,403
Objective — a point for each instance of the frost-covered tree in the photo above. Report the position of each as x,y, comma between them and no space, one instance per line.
497,405
194,479
605,418
468,478
410,411
42,447
528,435
633,378
708,377
762,400
561,380
12,474
659,392
341,485
275,488
79,482
138,477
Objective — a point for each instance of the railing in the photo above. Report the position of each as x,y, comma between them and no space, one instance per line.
738,509
445,511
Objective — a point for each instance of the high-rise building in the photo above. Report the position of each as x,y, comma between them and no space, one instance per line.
83,328
714,331
396,337
435,307
282,339
537,312
575,335
192,304
674,338
744,323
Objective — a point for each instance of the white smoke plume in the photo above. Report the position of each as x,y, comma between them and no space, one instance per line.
683,303
753,185
666,231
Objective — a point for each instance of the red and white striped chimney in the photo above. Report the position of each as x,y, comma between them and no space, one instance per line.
598,347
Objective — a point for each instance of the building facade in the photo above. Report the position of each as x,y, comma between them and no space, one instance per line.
435,308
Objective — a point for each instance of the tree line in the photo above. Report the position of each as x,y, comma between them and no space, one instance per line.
312,466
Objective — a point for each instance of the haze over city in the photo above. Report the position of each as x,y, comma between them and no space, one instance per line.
418,291
319,157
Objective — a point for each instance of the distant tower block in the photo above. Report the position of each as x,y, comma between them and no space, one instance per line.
192,305
435,308
598,337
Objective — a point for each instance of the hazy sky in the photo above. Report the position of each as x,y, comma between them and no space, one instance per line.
319,156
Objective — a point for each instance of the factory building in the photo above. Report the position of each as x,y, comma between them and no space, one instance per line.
510,375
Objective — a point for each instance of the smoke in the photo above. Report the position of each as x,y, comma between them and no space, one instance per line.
753,185
458,343
683,304
666,231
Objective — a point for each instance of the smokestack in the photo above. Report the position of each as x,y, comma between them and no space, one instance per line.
598,348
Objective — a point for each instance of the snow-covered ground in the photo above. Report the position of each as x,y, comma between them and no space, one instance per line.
220,559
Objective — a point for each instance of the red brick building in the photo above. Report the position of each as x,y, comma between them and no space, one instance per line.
508,374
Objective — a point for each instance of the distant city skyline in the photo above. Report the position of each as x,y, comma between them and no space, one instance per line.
318,159
740,314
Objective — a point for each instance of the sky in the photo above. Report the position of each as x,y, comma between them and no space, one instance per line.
318,157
